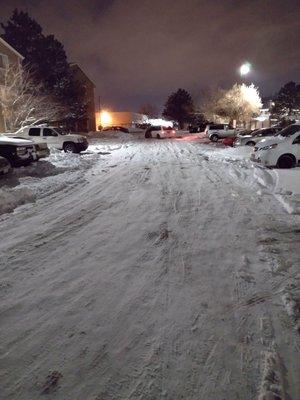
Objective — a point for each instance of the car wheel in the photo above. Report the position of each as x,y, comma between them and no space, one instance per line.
70,147
148,135
286,161
158,136
214,138
250,143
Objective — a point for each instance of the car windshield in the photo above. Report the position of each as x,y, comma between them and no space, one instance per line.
59,131
288,131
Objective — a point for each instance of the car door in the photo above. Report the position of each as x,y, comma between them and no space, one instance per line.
34,134
296,147
51,137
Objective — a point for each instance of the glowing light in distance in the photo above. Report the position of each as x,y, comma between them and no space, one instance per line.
245,69
105,118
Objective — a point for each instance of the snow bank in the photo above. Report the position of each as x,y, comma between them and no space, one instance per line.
229,153
284,184
287,189
60,172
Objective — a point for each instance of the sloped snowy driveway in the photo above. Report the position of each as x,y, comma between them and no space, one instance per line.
159,275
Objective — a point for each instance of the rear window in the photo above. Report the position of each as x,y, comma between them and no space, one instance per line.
34,132
167,128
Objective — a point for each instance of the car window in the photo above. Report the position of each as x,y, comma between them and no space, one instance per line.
216,126
34,132
297,140
49,132
269,132
290,130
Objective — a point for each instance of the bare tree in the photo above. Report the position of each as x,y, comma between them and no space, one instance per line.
23,101
240,103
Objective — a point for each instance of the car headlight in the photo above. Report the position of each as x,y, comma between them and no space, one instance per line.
21,151
271,146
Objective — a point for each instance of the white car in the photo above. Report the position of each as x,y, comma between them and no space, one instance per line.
219,131
256,136
160,132
54,137
282,151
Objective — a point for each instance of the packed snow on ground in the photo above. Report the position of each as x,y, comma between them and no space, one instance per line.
59,172
161,270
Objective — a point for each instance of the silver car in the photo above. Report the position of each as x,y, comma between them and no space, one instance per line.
219,131
256,136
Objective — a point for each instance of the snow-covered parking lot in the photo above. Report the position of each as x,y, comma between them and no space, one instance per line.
160,269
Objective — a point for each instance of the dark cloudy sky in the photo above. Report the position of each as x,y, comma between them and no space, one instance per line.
138,51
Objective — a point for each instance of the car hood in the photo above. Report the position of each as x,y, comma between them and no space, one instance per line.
269,141
17,142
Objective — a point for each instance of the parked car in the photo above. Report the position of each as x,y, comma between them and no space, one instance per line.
219,131
160,132
256,136
4,166
41,149
282,151
115,128
53,137
17,152
229,141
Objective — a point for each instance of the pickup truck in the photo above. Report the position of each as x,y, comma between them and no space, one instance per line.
54,137
17,152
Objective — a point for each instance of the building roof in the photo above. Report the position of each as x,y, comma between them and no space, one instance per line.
11,48
75,65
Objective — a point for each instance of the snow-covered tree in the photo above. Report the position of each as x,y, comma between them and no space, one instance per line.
24,102
240,103
45,58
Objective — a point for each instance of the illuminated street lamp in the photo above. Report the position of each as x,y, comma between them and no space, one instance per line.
105,118
245,69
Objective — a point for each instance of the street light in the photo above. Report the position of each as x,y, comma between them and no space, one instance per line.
245,69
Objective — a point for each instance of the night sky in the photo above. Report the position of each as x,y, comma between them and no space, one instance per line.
138,51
